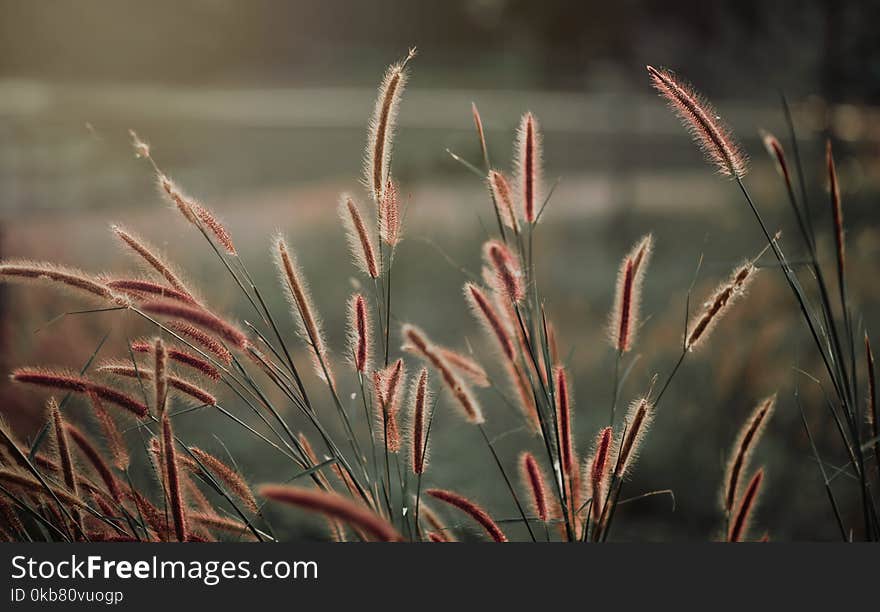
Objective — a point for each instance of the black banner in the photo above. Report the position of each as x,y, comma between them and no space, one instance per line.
241,576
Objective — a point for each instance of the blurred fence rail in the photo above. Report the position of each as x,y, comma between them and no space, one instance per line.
62,145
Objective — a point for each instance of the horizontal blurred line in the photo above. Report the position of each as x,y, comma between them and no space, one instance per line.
349,108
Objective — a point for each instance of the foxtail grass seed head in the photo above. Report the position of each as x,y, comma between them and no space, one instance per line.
112,436
836,211
719,304
473,510
160,381
464,365
746,440
335,506
742,518
563,418
382,127
420,397
178,199
486,314
390,219
151,258
199,317
702,122
417,342
359,332
68,381
638,420
96,460
300,300
232,479
507,270
205,341
777,153
139,289
503,196
388,385
65,459
186,387
68,278
624,319
173,480
528,164
536,485
359,242
212,224
179,356
598,475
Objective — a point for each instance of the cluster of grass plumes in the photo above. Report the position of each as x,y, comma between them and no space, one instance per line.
829,319
359,448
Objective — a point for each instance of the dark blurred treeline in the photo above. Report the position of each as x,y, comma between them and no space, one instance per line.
826,47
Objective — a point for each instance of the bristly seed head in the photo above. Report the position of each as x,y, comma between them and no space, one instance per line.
382,127
304,312
638,420
503,197
528,163
723,298
390,221
536,485
627,300
417,342
742,517
420,397
507,270
598,475
742,450
702,121
67,381
359,242
485,312
388,385
359,331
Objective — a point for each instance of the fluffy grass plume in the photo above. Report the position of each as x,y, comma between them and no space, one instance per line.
206,320
335,506
359,332
473,510
69,278
718,304
503,196
742,518
624,320
509,276
359,242
742,450
304,312
418,343
68,381
536,484
528,163
150,255
173,480
597,476
638,420
702,121
382,127
420,397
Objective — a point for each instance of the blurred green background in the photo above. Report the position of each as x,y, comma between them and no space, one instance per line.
260,109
